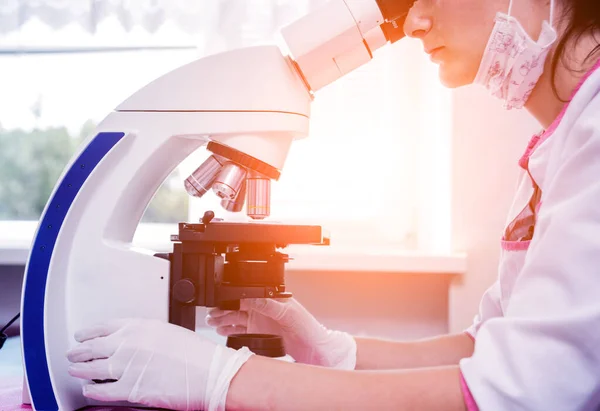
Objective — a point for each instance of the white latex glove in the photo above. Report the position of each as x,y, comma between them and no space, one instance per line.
156,364
304,338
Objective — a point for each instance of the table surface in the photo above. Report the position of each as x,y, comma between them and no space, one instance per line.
11,376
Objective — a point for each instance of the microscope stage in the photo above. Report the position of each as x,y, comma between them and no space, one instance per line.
251,233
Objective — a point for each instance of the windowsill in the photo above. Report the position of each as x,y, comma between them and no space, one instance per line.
16,238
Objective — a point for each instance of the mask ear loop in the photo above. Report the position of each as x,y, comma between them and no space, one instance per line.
551,13
510,7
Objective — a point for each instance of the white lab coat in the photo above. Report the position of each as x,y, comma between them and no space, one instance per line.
537,334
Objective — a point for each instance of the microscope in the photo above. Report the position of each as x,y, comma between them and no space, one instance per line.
246,106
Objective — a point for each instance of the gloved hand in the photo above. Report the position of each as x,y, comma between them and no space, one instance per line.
156,364
305,339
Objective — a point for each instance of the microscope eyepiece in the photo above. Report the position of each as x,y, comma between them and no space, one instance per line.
394,12
394,9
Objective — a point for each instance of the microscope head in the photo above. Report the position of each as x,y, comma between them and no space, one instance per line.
323,46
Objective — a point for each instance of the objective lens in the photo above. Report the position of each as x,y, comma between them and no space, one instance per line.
200,181
235,206
259,196
229,181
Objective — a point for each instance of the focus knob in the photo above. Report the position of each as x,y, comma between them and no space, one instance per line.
184,291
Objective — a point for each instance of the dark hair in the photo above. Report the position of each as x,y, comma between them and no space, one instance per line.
583,17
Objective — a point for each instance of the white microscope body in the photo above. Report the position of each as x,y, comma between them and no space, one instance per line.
82,267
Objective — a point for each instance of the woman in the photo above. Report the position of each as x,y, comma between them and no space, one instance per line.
536,341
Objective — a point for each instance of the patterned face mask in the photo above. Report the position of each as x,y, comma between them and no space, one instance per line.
512,62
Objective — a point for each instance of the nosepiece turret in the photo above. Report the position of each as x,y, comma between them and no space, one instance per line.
236,183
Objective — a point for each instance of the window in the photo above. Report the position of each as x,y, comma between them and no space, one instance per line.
50,102
374,169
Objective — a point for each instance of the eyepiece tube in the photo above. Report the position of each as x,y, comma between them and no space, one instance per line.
229,181
200,181
259,196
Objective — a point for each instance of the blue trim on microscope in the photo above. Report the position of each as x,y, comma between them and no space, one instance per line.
36,364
